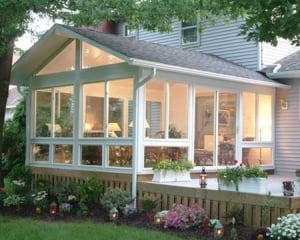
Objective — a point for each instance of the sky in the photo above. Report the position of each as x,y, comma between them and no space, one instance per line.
38,26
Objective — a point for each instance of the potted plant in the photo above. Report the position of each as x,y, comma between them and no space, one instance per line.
229,178
242,179
168,170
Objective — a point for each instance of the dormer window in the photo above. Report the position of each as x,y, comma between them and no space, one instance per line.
128,32
189,33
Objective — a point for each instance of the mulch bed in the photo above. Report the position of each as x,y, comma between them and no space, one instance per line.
139,220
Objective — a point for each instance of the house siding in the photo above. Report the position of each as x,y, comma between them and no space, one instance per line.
287,131
221,40
271,54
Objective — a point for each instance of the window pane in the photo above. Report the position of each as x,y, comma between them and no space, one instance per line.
40,152
43,113
204,127
64,61
91,155
178,110
120,107
155,108
189,35
63,153
63,112
227,129
93,57
93,109
264,117
249,116
120,156
156,154
257,156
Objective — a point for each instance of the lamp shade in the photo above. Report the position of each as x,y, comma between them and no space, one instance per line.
114,127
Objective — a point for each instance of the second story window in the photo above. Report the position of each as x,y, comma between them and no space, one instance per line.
189,33
130,33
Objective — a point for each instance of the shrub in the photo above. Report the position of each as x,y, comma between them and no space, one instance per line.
115,198
90,191
287,228
149,203
183,217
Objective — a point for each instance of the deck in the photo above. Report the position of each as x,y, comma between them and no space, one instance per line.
258,210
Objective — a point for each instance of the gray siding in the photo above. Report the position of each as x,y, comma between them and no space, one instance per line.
221,40
271,54
287,152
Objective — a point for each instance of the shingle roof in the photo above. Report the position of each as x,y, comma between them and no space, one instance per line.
290,62
168,55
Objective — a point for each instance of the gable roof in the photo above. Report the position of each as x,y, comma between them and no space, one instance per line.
138,53
287,67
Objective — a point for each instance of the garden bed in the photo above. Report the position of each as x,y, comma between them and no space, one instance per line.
138,220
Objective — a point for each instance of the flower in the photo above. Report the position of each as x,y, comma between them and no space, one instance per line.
65,207
40,199
287,228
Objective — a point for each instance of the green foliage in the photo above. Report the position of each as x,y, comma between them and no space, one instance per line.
90,191
235,212
26,228
15,132
149,203
115,198
174,132
253,172
178,165
233,175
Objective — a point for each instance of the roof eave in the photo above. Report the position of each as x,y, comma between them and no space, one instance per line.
284,75
172,68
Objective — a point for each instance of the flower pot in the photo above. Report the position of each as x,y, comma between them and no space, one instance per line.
254,185
171,176
230,187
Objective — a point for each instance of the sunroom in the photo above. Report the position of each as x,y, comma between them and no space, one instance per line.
103,103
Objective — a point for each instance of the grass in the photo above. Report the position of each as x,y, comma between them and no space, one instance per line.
13,228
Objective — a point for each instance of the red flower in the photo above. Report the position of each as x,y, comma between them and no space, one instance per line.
3,190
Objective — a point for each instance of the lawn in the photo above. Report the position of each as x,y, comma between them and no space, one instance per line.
18,228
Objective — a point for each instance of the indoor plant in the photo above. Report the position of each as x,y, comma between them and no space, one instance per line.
168,170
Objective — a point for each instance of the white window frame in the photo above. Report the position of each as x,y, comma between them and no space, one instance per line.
183,28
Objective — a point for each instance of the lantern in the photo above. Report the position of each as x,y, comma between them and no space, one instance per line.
203,176
113,214
158,218
218,230
53,208
288,188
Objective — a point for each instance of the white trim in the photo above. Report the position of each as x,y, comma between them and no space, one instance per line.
190,71
285,74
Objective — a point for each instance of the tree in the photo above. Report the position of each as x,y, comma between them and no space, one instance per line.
265,21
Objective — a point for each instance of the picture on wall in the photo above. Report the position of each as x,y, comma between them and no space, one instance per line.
224,117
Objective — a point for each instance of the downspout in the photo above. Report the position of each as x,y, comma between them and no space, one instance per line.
137,134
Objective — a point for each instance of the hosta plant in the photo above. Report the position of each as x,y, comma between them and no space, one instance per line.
287,228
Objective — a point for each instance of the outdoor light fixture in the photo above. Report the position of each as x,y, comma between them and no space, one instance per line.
288,188
158,218
203,176
218,230
53,208
113,214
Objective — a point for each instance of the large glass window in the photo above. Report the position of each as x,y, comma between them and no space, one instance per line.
257,129
215,128
94,57
119,110
54,112
62,62
166,105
